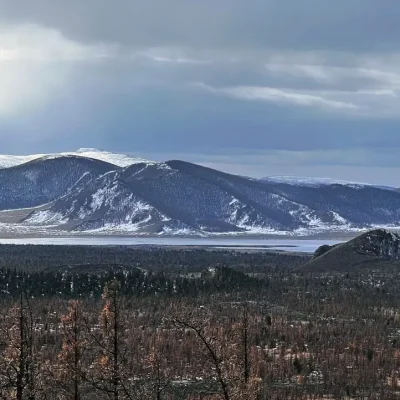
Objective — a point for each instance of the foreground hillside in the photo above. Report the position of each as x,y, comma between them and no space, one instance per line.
375,249
81,194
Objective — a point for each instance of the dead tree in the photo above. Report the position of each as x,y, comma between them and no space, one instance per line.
216,360
18,358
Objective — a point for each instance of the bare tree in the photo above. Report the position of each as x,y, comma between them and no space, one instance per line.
18,358
158,365
70,370
244,333
110,372
212,352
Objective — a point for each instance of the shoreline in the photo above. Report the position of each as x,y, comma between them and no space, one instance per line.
232,244
335,235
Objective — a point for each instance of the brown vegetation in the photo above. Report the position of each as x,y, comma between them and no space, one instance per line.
286,335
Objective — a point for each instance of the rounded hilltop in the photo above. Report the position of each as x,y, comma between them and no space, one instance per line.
376,248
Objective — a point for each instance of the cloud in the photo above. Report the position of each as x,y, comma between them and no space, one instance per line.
372,83
305,25
173,56
179,60
333,75
35,64
296,83
280,96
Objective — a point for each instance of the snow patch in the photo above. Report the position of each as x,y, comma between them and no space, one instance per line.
45,217
339,219
32,175
181,232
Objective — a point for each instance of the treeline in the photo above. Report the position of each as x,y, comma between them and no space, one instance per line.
40,257
74,282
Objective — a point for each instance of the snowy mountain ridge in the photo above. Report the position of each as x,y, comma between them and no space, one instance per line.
120,160
316,181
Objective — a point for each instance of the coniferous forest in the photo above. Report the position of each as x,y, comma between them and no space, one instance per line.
157,323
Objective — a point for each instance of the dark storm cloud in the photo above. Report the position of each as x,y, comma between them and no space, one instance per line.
363,25
253,87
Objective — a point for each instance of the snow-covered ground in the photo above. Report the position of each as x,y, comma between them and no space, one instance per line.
121,160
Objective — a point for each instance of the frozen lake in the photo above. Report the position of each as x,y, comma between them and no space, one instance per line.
290,245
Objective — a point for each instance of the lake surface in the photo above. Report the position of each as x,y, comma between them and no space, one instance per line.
290,245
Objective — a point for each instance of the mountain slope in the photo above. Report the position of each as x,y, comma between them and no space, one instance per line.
103,201
173,195
372,249
44,180
181,196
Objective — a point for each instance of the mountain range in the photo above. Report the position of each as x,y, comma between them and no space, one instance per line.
102,192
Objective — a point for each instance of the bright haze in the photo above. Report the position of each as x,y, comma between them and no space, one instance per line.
258,88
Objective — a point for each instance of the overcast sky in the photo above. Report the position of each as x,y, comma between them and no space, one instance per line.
256,87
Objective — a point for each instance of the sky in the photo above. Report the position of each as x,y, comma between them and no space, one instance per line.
257,87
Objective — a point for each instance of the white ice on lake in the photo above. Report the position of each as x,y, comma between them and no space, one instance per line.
289,245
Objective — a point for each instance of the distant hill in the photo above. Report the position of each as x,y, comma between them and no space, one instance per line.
318,182
375,248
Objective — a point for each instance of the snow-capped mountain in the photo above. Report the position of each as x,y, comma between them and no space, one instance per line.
307,181
74,193
312,181
120,160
